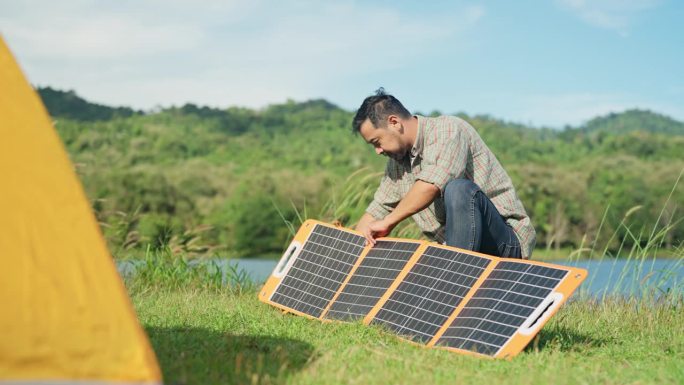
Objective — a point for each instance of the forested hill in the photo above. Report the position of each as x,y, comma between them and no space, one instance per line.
634,120
203,179
66,104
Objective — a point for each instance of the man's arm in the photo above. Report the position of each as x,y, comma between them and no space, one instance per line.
419,197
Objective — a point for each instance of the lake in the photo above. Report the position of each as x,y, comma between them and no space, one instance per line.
608,276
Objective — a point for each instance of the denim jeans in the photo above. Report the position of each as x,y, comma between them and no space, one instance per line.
473,222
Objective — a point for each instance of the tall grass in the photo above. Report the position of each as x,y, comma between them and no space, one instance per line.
345,205
166,269
637,251
632,261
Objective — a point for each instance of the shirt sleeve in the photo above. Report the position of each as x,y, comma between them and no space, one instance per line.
446,160
386,196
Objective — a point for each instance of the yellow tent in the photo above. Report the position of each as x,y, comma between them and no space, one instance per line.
64,312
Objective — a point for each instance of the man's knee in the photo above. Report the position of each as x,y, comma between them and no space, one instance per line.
459,190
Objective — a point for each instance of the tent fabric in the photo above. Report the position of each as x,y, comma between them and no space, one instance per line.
65,312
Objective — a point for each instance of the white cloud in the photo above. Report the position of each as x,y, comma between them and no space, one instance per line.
82,29
615,15
101,38
155,52
557,110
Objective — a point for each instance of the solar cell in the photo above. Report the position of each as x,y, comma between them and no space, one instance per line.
377,271
319,269
430,292
507,298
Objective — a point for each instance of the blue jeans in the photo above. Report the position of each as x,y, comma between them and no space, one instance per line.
473,222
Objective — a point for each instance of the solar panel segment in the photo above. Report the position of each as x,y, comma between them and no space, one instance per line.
430,292
510,294
319,269
377,271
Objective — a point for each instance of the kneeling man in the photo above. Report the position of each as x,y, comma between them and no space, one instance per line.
442,174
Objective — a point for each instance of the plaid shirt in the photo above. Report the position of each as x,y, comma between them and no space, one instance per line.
449,148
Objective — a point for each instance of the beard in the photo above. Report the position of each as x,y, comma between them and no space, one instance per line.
397,156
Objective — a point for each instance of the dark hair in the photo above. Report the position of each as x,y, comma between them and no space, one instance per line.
377,108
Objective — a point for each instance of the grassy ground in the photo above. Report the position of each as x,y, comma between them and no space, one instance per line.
205,335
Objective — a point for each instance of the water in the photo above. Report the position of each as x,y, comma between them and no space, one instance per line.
614,276
630,277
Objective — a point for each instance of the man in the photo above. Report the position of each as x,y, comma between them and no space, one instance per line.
442,174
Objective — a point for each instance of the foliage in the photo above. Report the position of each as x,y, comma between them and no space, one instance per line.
68,105
634,120
222,180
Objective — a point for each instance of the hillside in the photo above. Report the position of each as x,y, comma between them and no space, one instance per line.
634,120
66,104
229,180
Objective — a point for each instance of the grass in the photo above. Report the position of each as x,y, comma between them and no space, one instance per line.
208,327
163,269
221,336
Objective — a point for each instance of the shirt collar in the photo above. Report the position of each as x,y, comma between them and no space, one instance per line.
417,148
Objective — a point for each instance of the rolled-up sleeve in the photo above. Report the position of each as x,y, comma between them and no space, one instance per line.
446,161
386,197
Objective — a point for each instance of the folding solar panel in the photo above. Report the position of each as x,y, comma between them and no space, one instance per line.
430,294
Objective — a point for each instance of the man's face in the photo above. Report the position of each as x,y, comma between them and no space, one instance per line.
387,141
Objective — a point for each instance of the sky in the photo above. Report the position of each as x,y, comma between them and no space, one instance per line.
539,62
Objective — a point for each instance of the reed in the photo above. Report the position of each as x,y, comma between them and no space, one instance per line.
165,269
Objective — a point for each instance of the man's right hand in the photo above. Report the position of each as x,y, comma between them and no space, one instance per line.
364,228
378,229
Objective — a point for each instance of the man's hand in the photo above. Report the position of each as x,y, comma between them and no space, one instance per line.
377,229
419,197
364,226
372,228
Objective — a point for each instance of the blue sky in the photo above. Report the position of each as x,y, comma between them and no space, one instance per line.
544,63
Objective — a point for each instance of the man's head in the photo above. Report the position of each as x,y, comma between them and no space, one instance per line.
381,122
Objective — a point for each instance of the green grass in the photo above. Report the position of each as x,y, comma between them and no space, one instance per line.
224,336
208,327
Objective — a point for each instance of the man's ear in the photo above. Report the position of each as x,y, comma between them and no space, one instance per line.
395,124
393,121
